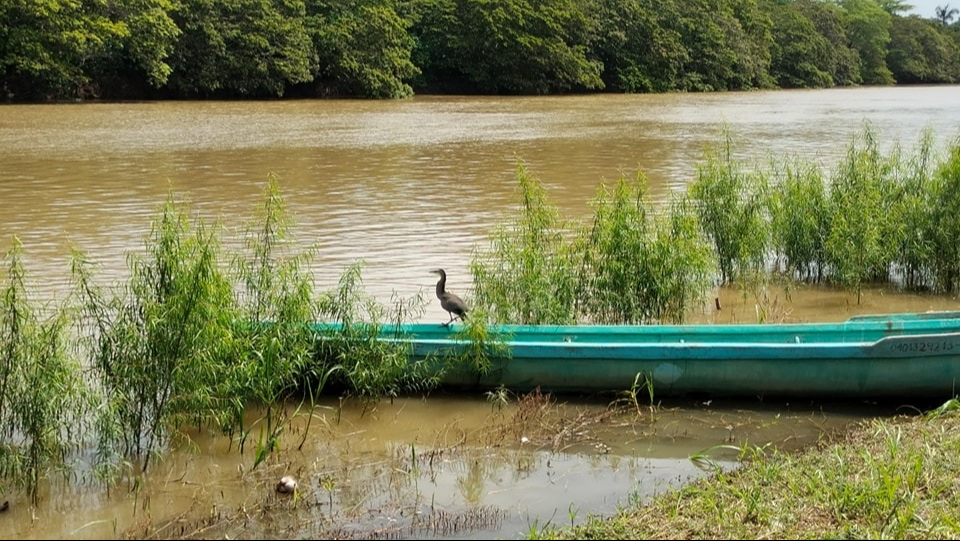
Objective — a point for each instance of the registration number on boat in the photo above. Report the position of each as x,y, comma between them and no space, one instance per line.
928,345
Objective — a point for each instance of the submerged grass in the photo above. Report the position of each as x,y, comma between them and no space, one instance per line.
42,397
886,479
159,348
527,276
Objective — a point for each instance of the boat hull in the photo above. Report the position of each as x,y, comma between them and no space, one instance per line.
896,366
897,355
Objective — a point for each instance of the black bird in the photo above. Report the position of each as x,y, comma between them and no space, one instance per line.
450,302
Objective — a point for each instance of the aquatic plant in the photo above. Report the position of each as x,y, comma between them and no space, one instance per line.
273,356
160,345
800,219
944,223
42,393
480,347
616,255
642,266
914,211
368,367
860,245
631,397
527,275
731,204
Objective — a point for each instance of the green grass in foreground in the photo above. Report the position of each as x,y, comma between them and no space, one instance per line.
884,479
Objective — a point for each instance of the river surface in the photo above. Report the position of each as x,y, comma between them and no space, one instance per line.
408,186
404,186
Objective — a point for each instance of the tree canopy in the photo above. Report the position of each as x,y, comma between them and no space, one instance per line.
83,49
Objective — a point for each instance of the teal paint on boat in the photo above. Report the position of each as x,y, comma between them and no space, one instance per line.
872,356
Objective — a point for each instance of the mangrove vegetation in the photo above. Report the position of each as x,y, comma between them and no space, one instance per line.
190,49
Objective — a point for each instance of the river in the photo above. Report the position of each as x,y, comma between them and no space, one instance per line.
408,186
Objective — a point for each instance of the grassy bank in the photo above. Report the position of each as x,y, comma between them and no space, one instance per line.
885,479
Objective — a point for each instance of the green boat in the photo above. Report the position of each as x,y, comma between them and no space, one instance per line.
873,356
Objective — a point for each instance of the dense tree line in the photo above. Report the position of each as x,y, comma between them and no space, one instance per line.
82,49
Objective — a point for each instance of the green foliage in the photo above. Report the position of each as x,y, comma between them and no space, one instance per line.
642,267
728,45
44,44
751,39
617,252
480,347
732,207
912,213
632,266
684,259
921,51
944,227
841,61
153,35
800,54
240,47
800,219
364,48
68,49
867,27
159,348
367,366
703,30
42,396
138,54
524,47
274,355
431,22
640,49
528,274
859,245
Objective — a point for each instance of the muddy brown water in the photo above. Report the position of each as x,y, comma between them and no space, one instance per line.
441,467
407,186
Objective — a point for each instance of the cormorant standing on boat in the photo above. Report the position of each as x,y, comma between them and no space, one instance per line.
450,302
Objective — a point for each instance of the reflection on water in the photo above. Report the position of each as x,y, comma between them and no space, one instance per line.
436,468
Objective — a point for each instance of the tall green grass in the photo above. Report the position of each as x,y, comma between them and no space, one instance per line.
528,275
732,205
42,396
944,223
365,365
862,239
913,221
272,354
641,266
800,219
161,345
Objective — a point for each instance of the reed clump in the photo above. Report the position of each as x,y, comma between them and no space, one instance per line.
876,218
194,338
528,274
42,396
632,265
